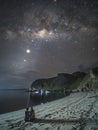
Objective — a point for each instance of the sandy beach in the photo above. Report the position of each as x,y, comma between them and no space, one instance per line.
81,105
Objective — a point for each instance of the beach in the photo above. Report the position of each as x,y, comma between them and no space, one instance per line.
61,114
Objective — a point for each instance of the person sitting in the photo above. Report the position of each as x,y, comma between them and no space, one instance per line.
27,117
32,114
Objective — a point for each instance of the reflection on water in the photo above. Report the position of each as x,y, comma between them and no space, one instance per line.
46,97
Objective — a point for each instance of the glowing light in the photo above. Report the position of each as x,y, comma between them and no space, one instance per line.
24,60
42,33
32,40
28,51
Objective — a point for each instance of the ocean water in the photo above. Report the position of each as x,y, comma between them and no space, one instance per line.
15,100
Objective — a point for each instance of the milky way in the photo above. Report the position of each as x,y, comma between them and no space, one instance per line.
39,39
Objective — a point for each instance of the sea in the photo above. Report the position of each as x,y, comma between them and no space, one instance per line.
12,100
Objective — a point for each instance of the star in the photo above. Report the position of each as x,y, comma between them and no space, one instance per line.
32,40
28,51
55,0
93,49
24,60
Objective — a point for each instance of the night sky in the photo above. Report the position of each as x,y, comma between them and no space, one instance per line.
40,38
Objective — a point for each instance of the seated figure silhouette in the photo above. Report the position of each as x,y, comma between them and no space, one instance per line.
32,114
27,115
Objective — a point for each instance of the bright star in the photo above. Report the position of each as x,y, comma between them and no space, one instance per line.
28,51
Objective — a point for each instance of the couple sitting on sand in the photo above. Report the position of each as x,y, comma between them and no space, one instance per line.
29,115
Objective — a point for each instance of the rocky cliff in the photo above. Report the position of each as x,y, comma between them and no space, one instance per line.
83,81
61,81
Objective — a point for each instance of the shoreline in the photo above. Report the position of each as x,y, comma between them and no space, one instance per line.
72,107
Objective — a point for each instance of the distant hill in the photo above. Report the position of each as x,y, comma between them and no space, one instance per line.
76,80
61,81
